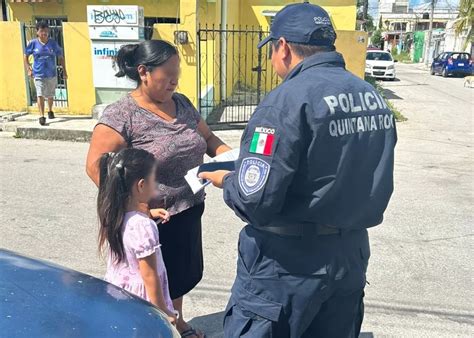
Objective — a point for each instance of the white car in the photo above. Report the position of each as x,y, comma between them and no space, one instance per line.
380,64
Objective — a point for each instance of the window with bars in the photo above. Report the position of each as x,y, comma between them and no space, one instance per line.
150,21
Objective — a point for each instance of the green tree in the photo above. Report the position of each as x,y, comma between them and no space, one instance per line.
368,22
377,39
364,16
465,20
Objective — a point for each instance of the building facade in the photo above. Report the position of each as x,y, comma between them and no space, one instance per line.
405,28
214,39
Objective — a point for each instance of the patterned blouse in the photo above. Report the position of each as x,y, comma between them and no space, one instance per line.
177,146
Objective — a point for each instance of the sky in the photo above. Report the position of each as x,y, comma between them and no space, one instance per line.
374,4
443,3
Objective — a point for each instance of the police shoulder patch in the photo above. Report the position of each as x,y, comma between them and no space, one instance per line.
253,175
262,141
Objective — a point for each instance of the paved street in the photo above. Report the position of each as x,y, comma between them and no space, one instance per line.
420,271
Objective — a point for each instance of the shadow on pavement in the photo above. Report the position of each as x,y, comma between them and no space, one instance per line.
211,325
390,94
62,119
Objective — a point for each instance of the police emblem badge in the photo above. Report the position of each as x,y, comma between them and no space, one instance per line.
253,175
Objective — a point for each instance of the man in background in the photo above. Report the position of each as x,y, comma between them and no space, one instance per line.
44,51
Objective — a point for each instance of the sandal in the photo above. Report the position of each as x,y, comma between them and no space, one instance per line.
191,332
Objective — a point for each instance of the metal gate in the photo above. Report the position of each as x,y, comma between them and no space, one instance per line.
233,75
55,33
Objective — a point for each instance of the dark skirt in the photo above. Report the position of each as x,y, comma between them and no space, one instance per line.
181,245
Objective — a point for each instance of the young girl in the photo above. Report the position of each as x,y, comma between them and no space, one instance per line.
135,263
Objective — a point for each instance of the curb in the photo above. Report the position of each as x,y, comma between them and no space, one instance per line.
53,134
9,117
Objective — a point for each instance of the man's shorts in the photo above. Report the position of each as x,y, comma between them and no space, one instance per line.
46,87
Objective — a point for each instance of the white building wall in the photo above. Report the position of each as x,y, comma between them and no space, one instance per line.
453,42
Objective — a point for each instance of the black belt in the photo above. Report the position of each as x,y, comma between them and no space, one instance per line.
301,230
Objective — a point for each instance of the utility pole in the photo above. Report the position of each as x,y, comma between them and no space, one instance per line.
430,33
364,18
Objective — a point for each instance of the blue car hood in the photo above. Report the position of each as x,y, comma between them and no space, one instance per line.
40,299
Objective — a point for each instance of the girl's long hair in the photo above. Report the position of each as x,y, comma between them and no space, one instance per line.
118,173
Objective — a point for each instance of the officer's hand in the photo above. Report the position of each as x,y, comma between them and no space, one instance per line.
216,177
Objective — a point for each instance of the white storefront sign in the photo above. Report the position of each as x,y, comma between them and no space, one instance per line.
115,16
111,27
115,22
116,33
105,67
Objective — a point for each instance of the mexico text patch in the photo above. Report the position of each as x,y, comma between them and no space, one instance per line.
262,141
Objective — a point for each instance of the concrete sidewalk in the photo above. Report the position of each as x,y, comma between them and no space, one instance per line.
66,128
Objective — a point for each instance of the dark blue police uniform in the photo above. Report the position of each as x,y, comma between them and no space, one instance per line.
315,171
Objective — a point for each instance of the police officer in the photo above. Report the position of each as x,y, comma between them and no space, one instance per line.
315,171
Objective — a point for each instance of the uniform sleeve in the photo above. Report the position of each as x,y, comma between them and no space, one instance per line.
269,157
30,48
143,237
114,116
57,49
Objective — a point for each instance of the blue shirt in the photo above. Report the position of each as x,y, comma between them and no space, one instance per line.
44,57
319,149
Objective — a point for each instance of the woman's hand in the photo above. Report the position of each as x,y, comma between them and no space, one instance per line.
160,213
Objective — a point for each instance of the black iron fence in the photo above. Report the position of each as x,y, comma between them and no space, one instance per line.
55,33
233,75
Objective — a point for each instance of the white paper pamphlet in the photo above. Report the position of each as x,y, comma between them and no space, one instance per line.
197,184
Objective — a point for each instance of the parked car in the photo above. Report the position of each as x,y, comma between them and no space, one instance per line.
40,299
380,64
452,63
372,47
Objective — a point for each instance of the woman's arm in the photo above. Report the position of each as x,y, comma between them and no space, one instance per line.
153,287
104,140
215,145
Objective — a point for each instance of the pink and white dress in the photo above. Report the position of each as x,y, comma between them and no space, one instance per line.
140,240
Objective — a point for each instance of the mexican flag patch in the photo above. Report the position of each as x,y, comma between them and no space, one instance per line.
262,141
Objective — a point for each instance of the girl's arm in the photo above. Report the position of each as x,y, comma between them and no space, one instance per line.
153,287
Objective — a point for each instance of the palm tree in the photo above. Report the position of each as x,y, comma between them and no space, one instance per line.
464,21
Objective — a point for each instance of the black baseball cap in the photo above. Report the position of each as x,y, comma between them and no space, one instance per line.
297,23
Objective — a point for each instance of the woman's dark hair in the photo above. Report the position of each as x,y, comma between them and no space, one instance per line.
150,53
41,25
118,173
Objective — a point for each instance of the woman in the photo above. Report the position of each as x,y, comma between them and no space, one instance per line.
155,118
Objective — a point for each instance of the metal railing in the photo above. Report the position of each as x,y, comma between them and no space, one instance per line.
233,75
